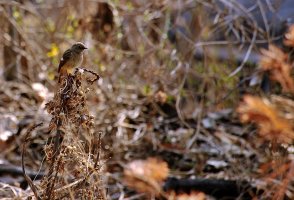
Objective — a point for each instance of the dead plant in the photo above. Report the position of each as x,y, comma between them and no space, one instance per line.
73,156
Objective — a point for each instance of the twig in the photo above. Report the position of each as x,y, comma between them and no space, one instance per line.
99,151
56,152
28,179
178,99
75,183
16,170
91,72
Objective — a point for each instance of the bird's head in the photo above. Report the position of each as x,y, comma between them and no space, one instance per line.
78,47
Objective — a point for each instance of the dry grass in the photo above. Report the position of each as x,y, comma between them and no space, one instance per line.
153,97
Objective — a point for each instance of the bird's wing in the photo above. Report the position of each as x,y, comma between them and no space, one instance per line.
65,57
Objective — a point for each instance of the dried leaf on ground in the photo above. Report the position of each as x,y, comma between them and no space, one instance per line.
275,60
271,125
146,175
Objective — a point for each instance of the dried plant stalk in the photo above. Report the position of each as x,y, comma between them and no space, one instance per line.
75,151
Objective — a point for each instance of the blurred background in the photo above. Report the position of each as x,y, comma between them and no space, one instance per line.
172,74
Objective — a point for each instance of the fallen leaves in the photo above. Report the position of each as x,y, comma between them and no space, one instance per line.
272,126
275,61
146,176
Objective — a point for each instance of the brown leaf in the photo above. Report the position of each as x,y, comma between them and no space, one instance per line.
289,37
146,176
271,125
274,60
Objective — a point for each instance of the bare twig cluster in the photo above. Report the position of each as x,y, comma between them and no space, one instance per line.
74,153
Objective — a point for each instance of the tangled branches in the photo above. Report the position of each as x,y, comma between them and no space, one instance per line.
75,149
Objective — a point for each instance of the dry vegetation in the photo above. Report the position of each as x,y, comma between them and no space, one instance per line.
169,105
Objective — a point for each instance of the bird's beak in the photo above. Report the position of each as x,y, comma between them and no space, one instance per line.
85,48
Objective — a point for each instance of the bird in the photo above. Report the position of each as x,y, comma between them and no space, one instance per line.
71,58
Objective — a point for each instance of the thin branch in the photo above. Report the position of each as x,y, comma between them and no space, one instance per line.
28,179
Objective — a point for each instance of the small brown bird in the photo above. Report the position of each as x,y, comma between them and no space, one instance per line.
71,59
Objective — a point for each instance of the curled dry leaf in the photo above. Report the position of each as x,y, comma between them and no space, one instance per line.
272,126
274,60
146,175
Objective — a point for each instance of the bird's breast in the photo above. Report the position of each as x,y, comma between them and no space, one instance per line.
75,61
